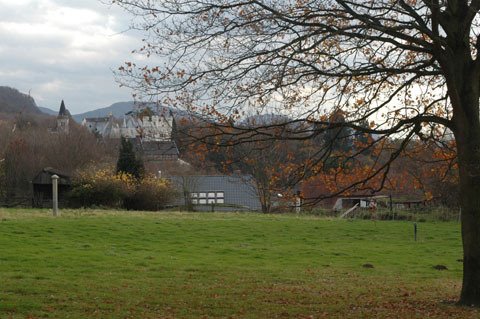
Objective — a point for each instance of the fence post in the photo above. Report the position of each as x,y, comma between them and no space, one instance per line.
55,194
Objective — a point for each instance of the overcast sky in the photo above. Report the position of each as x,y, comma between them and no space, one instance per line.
65,49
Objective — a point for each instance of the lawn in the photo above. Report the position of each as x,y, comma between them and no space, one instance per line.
101,264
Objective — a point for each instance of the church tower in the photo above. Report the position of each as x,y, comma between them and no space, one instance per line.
63,119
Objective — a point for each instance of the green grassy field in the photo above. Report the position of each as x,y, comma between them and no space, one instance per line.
100,264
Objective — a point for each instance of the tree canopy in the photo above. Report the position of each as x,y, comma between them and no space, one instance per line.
408,68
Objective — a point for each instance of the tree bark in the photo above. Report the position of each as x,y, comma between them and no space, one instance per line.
468,152
462,74
469,167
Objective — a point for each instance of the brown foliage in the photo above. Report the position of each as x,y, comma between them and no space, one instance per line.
31,147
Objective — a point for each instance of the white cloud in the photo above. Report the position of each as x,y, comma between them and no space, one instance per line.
64,50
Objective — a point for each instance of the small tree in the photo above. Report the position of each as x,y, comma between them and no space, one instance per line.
128,161
339,137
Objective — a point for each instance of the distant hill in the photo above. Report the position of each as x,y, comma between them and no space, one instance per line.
13,101
117,110
48,111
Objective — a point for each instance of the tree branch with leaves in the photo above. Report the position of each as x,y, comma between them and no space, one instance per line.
407,67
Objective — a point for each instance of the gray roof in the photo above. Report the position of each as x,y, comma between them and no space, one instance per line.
97,119
156,148
44,177
240,191
63,112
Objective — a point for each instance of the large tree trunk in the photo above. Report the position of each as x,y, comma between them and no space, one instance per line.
470,203
467,137
469,166
462,75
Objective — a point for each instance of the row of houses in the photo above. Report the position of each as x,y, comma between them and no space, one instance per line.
146,124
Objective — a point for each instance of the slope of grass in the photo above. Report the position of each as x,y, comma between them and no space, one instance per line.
100,264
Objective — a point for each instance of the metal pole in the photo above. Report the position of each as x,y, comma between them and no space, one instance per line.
55,194
391,207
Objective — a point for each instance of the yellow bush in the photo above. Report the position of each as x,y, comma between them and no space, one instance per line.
151,194
102,187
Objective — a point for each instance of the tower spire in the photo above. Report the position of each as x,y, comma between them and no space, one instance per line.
63,110
63,119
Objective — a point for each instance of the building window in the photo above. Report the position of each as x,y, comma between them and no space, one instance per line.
203,198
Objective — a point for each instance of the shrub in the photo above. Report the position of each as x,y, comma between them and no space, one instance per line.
101,188
150,194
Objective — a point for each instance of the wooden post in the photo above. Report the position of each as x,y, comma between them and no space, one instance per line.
391,204
415,231
55,194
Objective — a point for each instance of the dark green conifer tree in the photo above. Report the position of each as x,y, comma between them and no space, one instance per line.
128,161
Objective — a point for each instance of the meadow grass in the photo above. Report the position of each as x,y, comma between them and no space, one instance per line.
107,264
